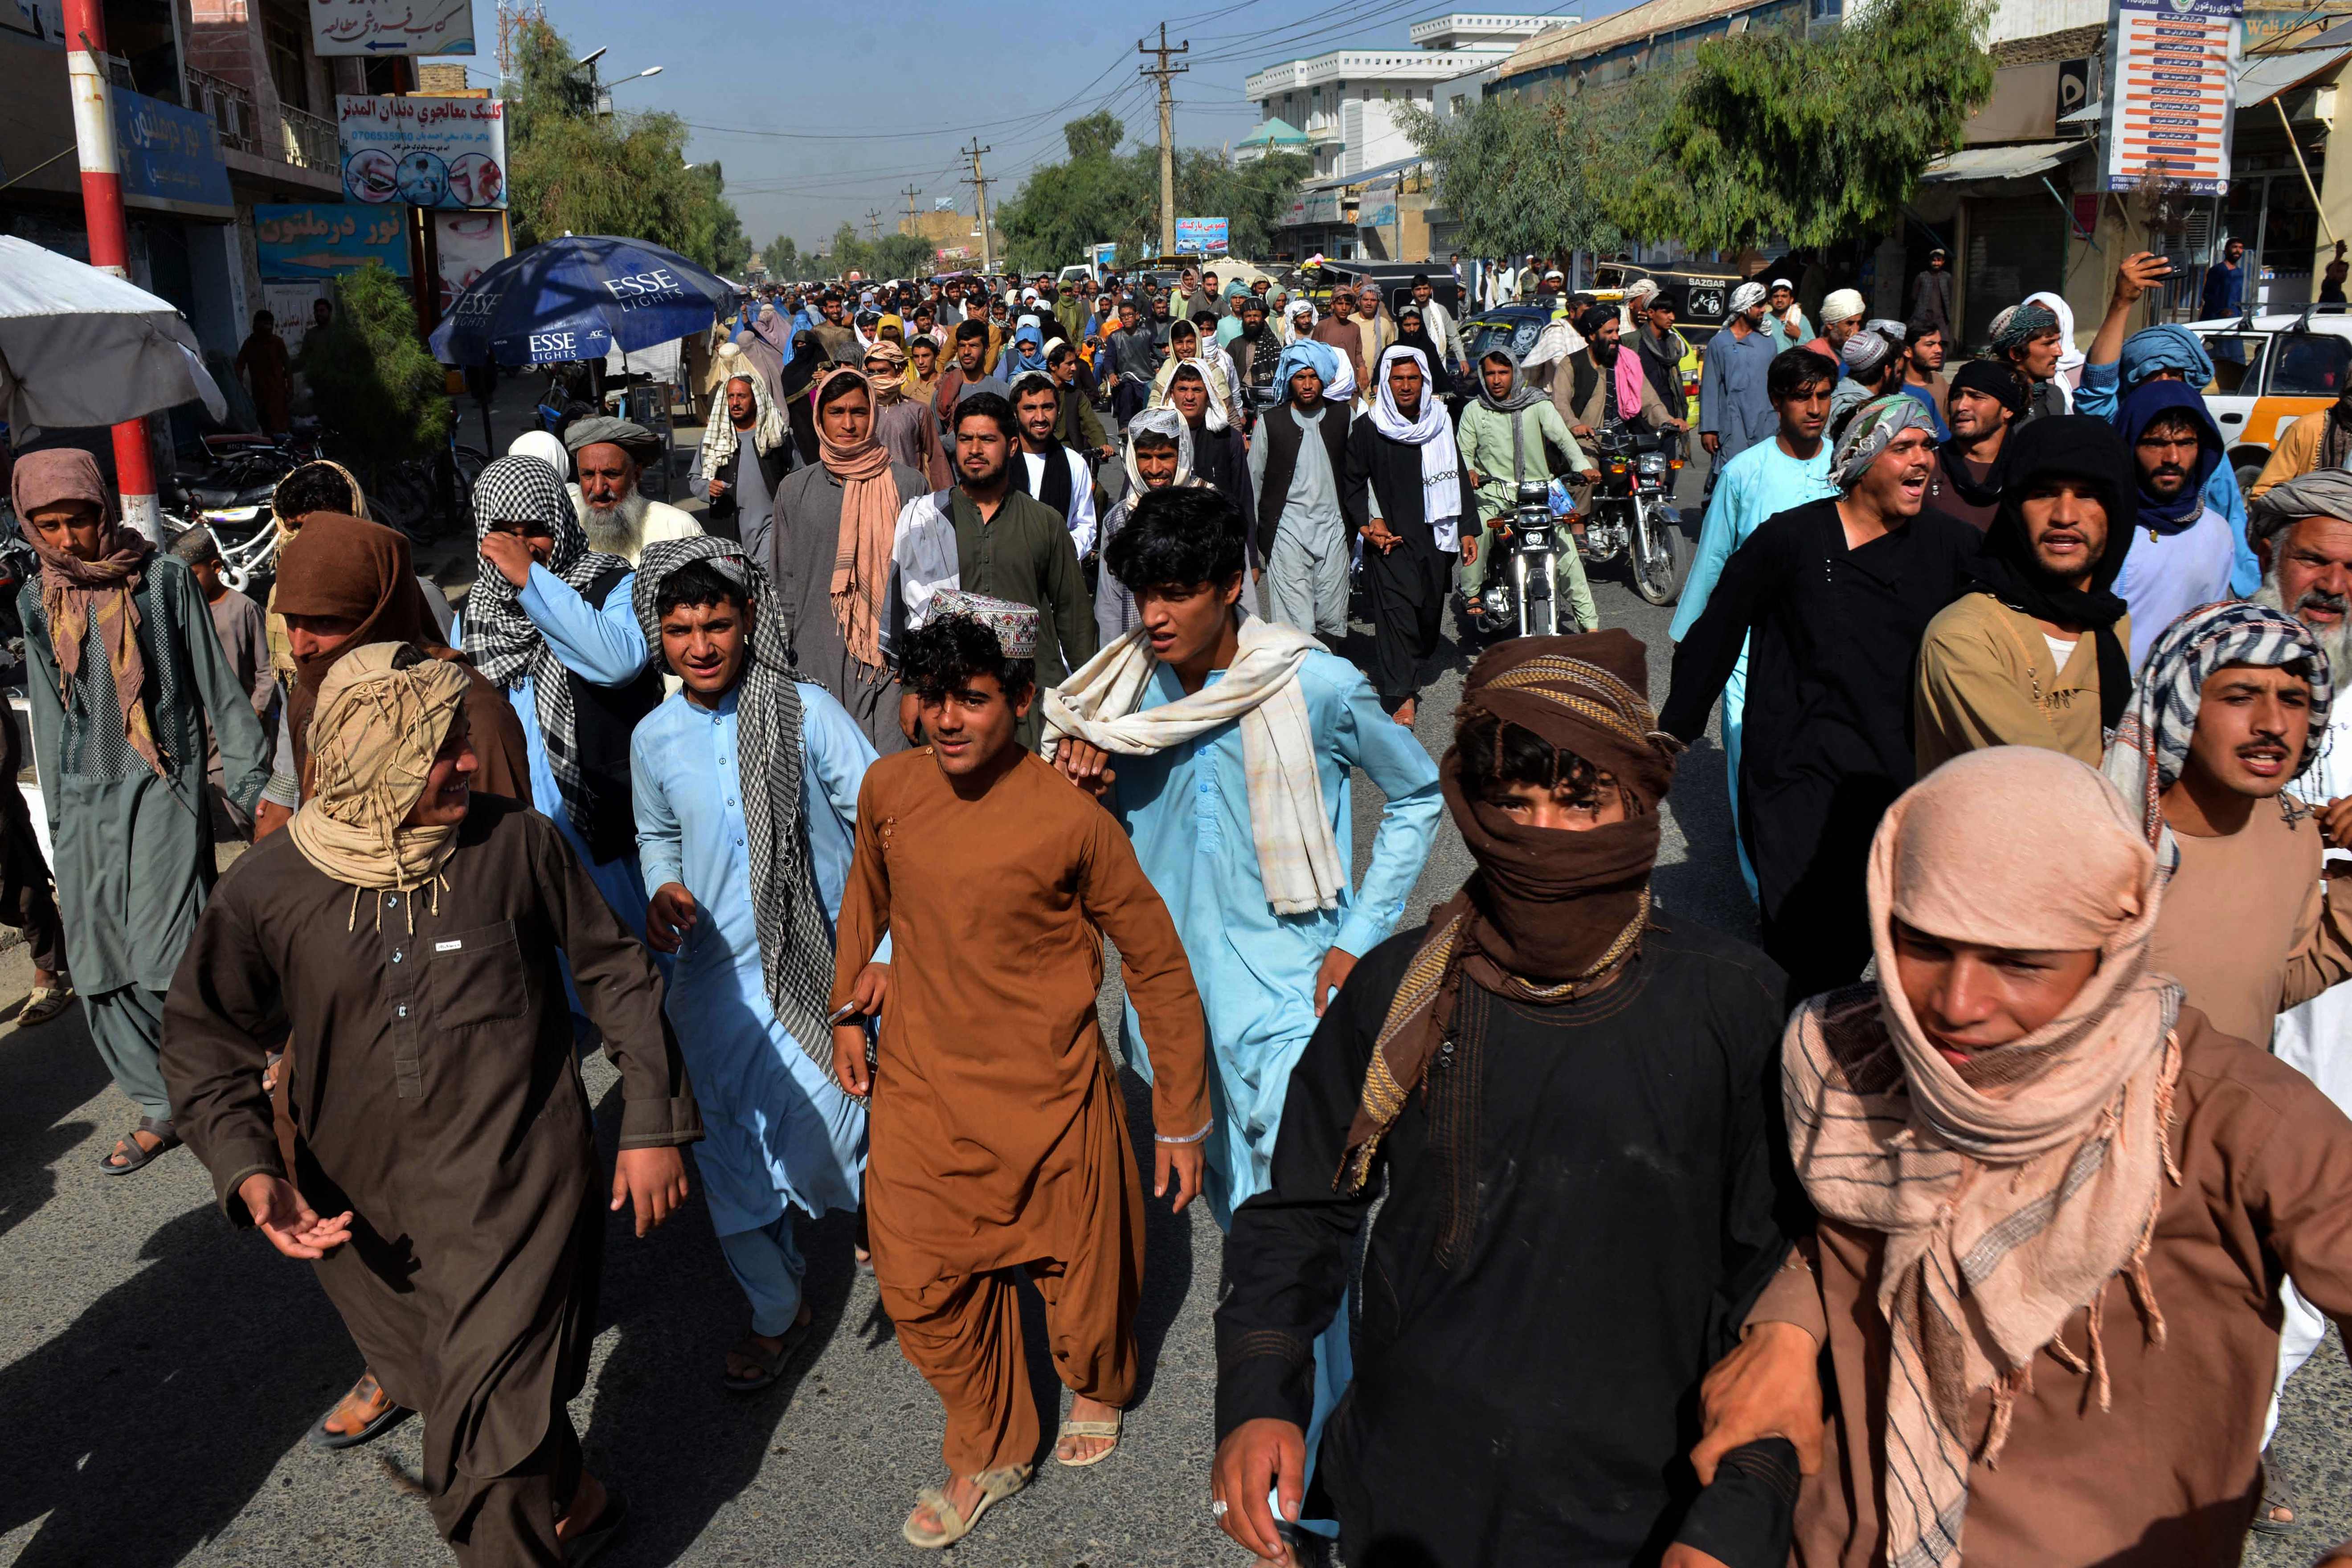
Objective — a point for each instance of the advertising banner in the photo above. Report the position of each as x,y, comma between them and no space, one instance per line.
2171,92
1202,236
323,239
445,152
392,26
465,244
171,157
1378,208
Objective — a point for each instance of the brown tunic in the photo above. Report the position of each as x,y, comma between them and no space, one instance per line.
997,1137
434,1093
1986,677
2169,1476
2245,928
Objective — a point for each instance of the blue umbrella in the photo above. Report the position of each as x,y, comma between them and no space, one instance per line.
578,298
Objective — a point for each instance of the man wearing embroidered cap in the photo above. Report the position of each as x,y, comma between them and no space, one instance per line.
406,932
999,1139
1836,595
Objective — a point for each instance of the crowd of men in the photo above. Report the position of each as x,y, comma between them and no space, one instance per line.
1983,1209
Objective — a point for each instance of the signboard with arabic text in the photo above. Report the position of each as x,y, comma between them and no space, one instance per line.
2172,78
1202,236
447,152
370,27
171,157
299,241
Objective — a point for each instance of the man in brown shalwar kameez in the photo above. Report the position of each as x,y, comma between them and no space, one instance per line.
406,932
2057,1204
999,1141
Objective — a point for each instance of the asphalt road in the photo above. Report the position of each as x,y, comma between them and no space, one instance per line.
158,1371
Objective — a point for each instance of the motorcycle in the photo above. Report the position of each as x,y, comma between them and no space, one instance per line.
1632,515
232,498
1521,596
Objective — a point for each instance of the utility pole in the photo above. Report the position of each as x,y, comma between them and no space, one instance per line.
110,235
873,225
1165,73
910,192
980,187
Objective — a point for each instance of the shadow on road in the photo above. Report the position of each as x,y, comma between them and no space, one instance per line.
45,1073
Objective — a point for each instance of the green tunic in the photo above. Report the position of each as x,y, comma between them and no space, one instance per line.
134,850
1025,556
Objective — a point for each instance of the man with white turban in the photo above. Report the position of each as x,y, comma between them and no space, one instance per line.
1841,315
1735,406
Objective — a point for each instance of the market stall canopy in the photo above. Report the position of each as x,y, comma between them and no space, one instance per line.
578,298
80,347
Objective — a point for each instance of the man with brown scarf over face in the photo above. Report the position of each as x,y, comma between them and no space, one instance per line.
1574,1097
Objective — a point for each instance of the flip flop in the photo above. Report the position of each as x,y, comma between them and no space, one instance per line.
580,1549
392,1416
771,1366
140,1155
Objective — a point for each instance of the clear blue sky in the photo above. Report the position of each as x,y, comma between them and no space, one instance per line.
818,124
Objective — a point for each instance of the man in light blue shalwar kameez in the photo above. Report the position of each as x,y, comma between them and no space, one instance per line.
779,1134
1762,482
1272,725
550,621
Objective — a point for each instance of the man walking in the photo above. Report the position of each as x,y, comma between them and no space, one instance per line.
744,457
1000,1142
1047,470
1831,600
2185,559
1421,495
405,932
609,455
1985,400
748,752
829,561
1923,371
1734,399
1306,520
124,673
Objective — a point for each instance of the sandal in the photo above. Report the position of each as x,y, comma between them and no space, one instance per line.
590,1543
46,1003
995,1486
140,1156
365,1392
1089,1429
771,1367
2276,1493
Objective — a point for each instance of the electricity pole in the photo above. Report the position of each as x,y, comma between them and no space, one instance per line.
910,192
873,225
1164,72
979,184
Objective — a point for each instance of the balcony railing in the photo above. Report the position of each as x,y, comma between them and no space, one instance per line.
227,106
307,140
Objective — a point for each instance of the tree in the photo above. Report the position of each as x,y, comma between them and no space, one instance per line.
1531,178
572,170
782,260
372,382
1098,194
1810,140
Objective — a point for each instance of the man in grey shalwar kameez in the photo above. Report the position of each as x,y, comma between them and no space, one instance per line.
806,542
124,668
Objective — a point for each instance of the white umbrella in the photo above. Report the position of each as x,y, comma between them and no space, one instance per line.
80,347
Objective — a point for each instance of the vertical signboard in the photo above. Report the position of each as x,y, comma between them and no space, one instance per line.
2172,92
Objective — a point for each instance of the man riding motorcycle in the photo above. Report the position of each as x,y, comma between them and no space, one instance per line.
1511,433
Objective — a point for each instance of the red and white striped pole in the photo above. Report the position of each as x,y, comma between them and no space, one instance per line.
109,239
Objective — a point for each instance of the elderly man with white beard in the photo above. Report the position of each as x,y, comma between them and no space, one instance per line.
2303,531
608,456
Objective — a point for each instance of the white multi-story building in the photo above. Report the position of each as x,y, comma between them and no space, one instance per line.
1347,101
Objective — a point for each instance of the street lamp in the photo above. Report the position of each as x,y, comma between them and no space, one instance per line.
600,94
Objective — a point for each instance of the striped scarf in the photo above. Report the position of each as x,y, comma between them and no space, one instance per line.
501,639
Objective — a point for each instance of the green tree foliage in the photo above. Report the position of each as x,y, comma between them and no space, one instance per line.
1100,194
1810,140
1533,177
573,171
784,261
374,384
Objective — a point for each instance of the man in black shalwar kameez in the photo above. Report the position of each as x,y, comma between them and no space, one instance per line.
406,933
1837,595
1575,1102
1420,498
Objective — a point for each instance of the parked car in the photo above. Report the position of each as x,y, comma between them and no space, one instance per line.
2269,372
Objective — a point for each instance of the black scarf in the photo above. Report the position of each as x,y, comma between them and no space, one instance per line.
2079,446
1054,488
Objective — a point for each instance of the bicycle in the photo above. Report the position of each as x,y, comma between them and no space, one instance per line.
418,492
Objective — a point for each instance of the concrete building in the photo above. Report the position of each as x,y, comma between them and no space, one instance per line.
1347,101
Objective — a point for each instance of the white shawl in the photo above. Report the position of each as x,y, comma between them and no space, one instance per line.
1441,460
1298,857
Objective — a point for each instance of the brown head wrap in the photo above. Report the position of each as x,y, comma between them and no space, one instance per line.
76,592
1549,913
354,571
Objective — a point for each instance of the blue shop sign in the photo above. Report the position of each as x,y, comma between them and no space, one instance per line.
171,156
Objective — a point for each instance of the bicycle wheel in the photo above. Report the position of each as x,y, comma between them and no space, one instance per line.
459,469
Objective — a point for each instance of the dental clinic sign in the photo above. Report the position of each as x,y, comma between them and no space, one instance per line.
446,153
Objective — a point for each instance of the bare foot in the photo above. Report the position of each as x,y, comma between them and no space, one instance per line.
963,1493
587,1507
1078,1450
1405,711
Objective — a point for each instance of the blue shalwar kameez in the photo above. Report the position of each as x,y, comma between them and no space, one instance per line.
1761,483
778,1130
1187,810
